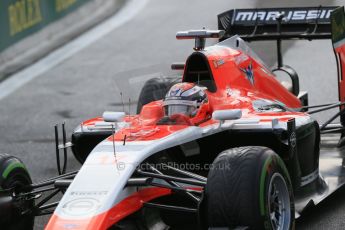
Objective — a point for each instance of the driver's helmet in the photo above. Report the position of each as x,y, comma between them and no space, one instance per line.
184,98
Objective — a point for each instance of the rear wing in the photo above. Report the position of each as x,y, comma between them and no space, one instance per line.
261,24
291,23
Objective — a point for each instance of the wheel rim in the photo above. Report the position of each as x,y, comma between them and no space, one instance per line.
279,203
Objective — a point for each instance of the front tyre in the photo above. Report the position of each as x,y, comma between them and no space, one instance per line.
13,175
249,186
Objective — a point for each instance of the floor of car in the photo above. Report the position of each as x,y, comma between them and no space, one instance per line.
331,172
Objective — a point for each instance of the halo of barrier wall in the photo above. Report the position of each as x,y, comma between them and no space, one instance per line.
21,18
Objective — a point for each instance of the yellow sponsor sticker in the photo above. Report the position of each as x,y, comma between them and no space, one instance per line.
61,5
24,14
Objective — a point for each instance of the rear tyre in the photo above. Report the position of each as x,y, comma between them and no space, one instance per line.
154,90
13,174
249,186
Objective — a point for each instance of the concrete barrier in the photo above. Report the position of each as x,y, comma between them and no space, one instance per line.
30,29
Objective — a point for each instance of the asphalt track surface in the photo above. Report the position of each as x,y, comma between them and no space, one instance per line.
90,81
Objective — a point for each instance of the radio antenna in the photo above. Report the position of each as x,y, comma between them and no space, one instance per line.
123,104
129,114
129,106
113,136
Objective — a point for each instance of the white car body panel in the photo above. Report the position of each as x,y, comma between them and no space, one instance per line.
99,185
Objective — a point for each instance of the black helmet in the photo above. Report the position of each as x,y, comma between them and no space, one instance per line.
184,98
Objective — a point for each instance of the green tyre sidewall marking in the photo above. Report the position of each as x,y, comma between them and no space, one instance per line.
276,161
282,165
11,167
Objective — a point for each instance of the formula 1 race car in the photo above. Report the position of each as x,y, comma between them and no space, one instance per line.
225,146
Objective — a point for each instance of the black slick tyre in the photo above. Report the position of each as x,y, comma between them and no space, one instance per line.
13,174
249,186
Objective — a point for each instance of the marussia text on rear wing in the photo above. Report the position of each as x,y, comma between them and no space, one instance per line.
261,24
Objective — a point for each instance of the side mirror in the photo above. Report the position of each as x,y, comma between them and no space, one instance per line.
228,114
113,116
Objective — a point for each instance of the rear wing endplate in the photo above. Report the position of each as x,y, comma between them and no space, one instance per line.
338,40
